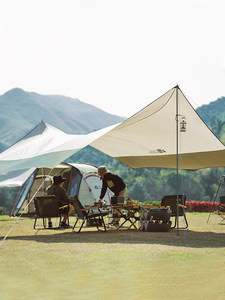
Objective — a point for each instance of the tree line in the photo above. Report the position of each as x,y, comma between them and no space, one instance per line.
151,184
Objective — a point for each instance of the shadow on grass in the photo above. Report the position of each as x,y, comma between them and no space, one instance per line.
193,239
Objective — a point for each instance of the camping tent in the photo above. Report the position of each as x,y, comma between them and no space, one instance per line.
81,180
150,138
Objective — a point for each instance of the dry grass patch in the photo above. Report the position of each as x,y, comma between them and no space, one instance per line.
59,264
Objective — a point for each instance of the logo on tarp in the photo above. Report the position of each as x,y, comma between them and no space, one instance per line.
156,151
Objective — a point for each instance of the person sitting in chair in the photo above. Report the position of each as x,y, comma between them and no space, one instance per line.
59,192
115,184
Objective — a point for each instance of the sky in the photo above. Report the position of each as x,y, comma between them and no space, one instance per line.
118,55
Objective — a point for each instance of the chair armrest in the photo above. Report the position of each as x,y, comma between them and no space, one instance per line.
180,205
61,207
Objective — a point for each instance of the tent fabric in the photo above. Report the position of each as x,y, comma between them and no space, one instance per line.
147,139
81,180
45,146
15,178
18,177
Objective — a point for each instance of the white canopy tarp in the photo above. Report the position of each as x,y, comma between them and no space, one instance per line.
147,139
45,146
15,178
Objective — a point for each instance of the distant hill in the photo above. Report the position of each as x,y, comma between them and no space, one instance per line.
211,111
21,111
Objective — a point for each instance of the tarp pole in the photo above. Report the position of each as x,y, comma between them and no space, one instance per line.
16,201
177,155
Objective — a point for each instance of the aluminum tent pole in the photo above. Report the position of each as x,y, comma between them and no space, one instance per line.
177,155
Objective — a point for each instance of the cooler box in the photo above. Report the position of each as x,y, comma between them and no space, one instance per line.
157,227
159,214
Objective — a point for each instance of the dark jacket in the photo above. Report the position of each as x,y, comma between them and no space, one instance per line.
60,194
113,182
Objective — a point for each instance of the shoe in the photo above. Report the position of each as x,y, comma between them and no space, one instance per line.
65,225
49,224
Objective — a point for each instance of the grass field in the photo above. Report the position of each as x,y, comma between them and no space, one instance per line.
124,264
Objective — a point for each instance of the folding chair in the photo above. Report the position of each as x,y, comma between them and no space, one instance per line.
86,213
221,209
46,207
171,200
221,212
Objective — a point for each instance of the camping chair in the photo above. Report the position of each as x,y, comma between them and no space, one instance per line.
221,209
87,213
171,200
47,207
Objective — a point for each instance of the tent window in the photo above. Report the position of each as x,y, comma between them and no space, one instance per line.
75,184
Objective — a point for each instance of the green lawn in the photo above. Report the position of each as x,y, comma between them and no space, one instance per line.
124,264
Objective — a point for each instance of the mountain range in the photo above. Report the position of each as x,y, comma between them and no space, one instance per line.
209,112
21,111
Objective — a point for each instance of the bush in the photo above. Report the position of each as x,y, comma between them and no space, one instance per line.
191,206
1,210
154,203
200,206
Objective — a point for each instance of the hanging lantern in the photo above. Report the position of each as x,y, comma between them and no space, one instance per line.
183,125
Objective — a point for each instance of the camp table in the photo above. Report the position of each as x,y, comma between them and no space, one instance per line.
130,213
127,212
